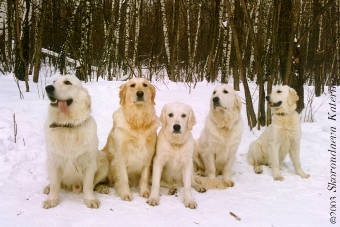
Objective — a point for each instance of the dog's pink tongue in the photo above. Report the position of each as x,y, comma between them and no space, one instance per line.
63,106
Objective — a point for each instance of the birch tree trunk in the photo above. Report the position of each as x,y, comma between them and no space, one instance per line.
117,35
137,30
188,7
166,37
127,32
197,31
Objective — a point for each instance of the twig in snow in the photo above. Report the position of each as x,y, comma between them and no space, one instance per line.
235,216
15,128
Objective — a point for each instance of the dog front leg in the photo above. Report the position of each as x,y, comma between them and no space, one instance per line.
144,182
186,177
54,175
227,168
89,197
294,153
275,161
121,180
209,163
156,179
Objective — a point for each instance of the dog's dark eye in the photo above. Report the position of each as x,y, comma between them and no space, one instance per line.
67,82
170,114
214,92
225,91
145,85
132,85
279,91
184,115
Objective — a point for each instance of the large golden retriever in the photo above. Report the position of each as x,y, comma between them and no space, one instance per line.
217,145
281,137
73,159
131,142
175,147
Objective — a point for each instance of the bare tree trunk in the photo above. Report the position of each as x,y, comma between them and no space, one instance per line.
137,28
249,105
22,44
166,37
295,14
127,32
261,104
38,41
197,31
117,35
188,7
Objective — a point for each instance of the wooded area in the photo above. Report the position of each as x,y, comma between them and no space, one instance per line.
293,42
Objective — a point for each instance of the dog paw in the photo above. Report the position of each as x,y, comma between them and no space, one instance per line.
145,193
200,189
49,203
102,189
304,175
258,169
190,204
153,201
92,203
126,197
46,190
228,183
172,191
279,178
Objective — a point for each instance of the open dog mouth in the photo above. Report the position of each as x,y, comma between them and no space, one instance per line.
61,104
275,104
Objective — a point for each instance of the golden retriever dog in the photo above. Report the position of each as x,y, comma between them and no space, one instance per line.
72,142
132,140
281,137
219,140
175,147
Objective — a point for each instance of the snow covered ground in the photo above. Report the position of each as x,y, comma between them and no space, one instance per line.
256,199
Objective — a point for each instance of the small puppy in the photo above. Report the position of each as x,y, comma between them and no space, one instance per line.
132,140
217,145
72,142
175,146
281,137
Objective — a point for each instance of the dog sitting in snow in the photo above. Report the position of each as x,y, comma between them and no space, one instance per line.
281,137
73,159
175,147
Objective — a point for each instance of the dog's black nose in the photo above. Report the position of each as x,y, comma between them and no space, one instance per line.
177,127
267,98
216,99
49,88
140,94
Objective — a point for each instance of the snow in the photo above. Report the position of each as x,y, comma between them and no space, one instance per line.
256,199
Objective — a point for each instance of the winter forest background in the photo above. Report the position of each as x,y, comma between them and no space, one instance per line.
267,42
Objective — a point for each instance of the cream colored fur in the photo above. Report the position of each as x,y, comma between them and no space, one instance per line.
281,137
72,152
173,161
218,143
131,142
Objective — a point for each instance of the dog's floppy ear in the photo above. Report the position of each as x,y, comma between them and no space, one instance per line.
122,93
292,97
191,119
237,102
163,116
153,93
